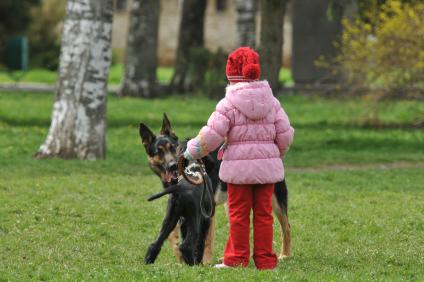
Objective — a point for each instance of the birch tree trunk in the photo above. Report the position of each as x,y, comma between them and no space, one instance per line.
271,39
191,35
78,124
141,54
246,23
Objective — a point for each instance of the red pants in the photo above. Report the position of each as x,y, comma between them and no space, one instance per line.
241,199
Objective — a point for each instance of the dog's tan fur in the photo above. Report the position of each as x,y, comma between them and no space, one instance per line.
174,241
285,236
209,244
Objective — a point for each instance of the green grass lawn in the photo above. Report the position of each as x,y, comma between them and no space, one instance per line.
164,75
76,220
45,76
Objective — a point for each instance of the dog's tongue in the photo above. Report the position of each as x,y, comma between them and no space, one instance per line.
168,176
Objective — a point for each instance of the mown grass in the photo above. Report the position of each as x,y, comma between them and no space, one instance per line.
328,131
76,220
164,75
46,76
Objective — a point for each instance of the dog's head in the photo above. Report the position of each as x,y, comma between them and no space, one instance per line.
162,151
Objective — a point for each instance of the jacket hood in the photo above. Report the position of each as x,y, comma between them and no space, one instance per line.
253,99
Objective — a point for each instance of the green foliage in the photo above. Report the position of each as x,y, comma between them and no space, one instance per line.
14,19
117,56
207,70
285,77
337,8
15,15
79,220
45,32
164,74
384,51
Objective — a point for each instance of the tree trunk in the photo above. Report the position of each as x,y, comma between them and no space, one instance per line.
271,39
141,54
311,40
246,23
78,125
191,35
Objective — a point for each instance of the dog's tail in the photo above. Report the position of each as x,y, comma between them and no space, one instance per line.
281,192
168,190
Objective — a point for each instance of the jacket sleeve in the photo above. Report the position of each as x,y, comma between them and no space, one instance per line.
284,132
210,136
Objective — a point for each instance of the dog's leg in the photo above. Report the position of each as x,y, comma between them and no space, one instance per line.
285,229
201,240
209,242
188,245
221,197
168,224
173,239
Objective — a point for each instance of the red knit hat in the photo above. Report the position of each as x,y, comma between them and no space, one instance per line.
243,65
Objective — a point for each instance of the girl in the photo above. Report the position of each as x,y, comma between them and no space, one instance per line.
258,134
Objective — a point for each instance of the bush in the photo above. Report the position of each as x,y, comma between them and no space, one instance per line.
14,20
44,33
207,70
383,51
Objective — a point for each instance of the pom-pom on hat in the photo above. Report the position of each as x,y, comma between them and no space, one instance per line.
243,65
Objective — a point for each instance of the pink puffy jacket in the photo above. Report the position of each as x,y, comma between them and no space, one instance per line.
258,133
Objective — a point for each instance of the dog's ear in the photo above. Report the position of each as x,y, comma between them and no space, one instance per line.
166,127
147,136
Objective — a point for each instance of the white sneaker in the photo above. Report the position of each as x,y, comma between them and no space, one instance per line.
222,265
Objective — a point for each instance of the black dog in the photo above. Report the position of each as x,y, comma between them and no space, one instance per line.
162,153
185,207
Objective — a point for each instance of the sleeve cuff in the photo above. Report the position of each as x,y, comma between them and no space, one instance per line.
284,152
188,156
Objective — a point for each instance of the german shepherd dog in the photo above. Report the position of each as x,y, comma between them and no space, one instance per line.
163,151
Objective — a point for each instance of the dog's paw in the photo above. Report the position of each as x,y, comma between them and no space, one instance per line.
151,255
283,257
148,260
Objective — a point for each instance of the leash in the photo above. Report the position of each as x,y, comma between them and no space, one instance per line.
207,185
181,165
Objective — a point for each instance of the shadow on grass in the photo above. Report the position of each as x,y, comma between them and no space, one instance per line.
76,168
372,144
151,122
157,123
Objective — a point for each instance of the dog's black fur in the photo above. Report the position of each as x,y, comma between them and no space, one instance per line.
184,201
184,206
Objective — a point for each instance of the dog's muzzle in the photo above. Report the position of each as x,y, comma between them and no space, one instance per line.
171,176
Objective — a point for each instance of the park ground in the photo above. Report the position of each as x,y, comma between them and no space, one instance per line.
164,75
355,176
